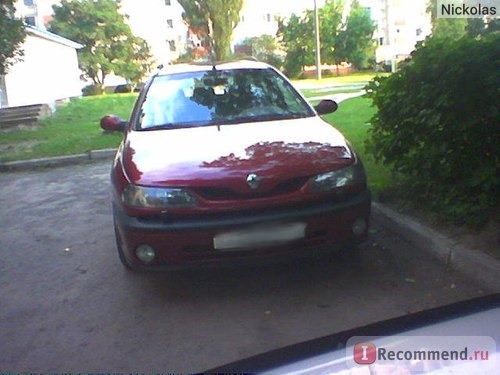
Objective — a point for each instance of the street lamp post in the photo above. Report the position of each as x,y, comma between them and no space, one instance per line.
316,32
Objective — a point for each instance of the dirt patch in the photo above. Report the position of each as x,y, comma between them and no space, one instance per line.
24,146
15,128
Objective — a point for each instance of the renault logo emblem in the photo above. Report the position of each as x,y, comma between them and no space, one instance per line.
253,181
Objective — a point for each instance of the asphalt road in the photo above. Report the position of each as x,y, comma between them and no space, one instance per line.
67,305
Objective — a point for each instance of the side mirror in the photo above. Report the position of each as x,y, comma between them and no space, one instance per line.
111,123
326,106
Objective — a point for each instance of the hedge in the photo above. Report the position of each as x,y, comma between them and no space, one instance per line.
438,126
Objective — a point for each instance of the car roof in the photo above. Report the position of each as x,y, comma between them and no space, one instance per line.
207,66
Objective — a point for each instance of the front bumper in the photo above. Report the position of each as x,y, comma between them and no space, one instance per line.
190,241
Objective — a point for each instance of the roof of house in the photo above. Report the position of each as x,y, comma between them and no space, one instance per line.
52,37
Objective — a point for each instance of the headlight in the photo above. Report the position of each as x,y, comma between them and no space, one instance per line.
339,179
149,197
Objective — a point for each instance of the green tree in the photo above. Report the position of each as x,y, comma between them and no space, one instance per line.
448,28
109,45
12,35
215,20
352,41
135,70
330,20
355,42
477,27
265,48
297,37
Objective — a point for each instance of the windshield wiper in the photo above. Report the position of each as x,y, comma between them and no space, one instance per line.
260,118
157,127
173,126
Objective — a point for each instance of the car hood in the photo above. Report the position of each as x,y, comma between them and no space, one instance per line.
218,155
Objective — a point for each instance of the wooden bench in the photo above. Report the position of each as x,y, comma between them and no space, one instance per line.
28,115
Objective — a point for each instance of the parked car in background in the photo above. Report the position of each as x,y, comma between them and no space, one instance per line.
228,163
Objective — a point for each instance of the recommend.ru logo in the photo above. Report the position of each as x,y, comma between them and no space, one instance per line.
365,353
417,354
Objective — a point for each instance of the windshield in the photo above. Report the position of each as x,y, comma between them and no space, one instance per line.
219,97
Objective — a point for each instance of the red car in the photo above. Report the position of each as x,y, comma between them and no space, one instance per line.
228,163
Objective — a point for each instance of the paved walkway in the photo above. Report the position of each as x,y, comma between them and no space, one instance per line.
338,97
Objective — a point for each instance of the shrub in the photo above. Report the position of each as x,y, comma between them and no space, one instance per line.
92,89
264,48
438,126
123,89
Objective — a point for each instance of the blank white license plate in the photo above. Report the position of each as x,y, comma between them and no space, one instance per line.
260,236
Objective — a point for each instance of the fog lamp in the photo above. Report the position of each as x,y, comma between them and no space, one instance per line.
145,253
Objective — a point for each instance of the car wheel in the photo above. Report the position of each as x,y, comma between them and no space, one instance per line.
129,266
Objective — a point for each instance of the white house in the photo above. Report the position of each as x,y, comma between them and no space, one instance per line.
48,72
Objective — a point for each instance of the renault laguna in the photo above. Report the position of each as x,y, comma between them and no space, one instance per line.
228,163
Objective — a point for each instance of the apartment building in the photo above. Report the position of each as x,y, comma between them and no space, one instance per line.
401,24
31,12
258,17
160,23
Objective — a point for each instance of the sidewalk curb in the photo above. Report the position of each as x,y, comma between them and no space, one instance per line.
471,263
57,161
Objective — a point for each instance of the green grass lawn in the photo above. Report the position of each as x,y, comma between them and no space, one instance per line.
73,129
340,80
352,119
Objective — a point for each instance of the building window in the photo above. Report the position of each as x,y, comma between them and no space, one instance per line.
381,41
168,3
267,17
29,3
30,21
242,18
171,44
419,31
170,24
